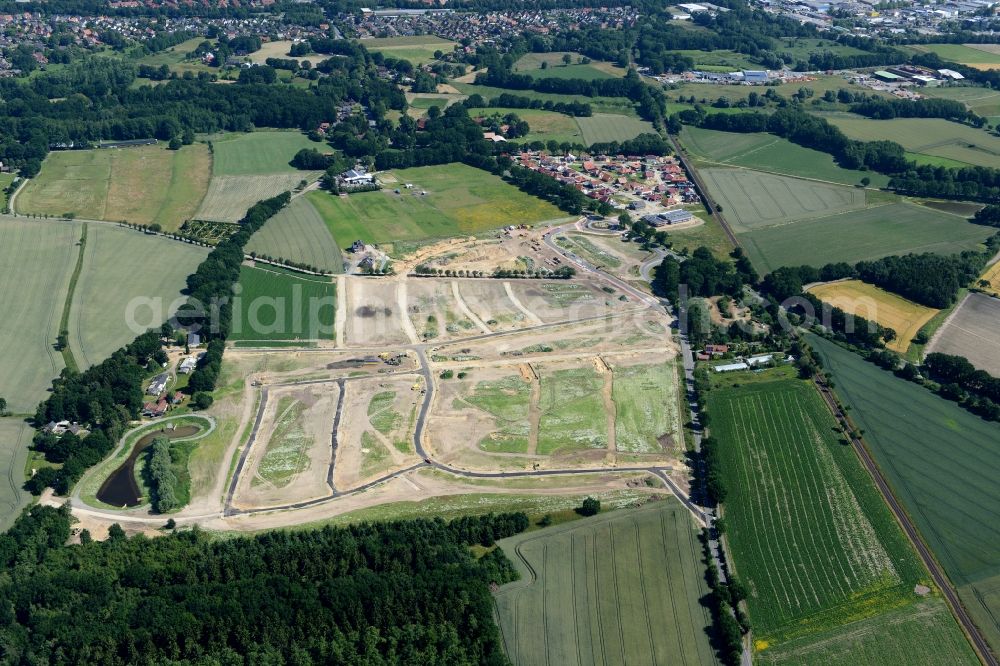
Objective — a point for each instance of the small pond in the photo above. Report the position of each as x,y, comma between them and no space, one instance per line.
121,488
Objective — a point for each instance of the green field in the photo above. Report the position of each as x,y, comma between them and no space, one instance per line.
572,411
809,534
175,58
417,49
607,127
229,197
923,633
15,438
931,136
983,101
545,125
258,153
871,233
299,234
766,152
754,199
129,282
619,105
37,257
719,60
141,185
506,400
531,63
381,415
960,53
460,200
285,455
646,410
280,306
619,588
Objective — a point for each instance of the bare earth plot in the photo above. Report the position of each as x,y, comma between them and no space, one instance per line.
129,282
38,258
972,331
488,300
621,588
435,312
374,313
298,233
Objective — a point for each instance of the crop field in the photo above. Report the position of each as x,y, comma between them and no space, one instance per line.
940,460
646,411
982,600
810,536
983,101
931,136
972,54
129,282
572,411
531,63
229,197
258,153
618,588
416,49
754,199
766,152
141,185
992,277
460,200
38,257
545,125
286,449
972,331
607,127
15,438
298,233
875,232
868,301
507,401
281,306
922,633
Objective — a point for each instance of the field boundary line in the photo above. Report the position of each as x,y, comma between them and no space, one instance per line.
69,360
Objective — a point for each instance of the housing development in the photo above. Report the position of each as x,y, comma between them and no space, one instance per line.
570,332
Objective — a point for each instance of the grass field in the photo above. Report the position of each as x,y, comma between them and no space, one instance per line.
38,257
286,449
229,197
931,136
531,63
279,306
545,125
126,275
874,232
766,152
607,127
15,438
619,588
460,200
506,400
966,55
381,415
753,199
141,185
572,411
646,412
619,105
983,101
868,301
298,233
809,535
258,153
416,49
972,332
940,460
924,633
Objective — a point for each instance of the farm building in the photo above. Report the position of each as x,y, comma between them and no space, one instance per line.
158,385
356,177
888,77
731,367
668,218
187,366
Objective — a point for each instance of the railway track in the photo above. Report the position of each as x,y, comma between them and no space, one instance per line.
703,191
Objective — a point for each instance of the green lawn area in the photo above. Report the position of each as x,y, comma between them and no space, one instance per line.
871,233
460,201
5,180
416,49
280,306
299,234
175,58
38,257
619,588
258,153
141,185
766,152
506,400
572,411
545,125
555,68
810,536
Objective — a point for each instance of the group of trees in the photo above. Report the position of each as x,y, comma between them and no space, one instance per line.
930,279
512,101
382,593
881,108
162,480
958,371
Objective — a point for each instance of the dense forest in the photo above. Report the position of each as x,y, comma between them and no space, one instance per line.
386,593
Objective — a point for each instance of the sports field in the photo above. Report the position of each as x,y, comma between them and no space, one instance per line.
257,153
809,535
141,185
923,633
766,152
229,197
971,331
871,233
15,438
460,200
129,282
417,49
619,588
940,459
754,199
299,234
931,136
868,301
280,306
555,68
36,259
